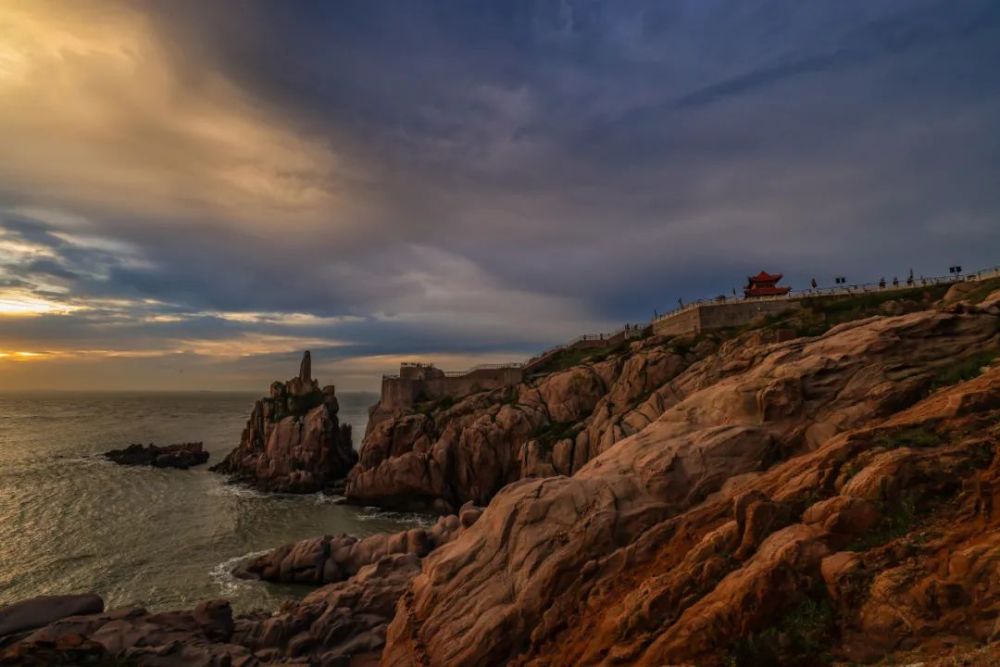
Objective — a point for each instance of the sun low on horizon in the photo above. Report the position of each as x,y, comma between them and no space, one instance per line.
193,193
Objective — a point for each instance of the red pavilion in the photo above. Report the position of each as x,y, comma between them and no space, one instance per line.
764,284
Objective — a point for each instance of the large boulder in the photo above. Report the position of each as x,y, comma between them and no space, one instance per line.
293,441
332,558
37,612
134,636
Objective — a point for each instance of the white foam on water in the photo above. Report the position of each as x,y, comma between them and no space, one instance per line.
222,574
378,514
238,491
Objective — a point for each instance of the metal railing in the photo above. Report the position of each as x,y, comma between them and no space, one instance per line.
630,331
635,330
846,290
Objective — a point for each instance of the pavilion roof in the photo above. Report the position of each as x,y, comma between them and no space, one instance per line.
765,277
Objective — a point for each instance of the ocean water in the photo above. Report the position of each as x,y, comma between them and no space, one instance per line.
72,522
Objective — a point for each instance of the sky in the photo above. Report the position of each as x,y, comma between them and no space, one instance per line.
192,193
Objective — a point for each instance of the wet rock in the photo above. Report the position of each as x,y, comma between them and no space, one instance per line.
183,455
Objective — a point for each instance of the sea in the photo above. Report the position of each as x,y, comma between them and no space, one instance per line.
73,522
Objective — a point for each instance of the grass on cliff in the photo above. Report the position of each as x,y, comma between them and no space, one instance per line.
819,314
981,290
577,356
800,638
961,370
908,437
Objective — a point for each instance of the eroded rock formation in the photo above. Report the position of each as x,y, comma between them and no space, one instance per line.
743,509
183,455
443,454
450,454
293,441
783,500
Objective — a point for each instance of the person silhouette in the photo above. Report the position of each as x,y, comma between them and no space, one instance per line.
813,283
881,283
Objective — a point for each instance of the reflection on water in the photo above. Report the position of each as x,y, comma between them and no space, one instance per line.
72,522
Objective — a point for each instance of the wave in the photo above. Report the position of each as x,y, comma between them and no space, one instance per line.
222,574
238,491
379,514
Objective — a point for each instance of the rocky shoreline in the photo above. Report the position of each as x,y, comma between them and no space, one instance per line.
788,494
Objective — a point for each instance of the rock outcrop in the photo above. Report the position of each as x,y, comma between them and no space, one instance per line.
293,441
19,618
183,455
704,538
348,618
134,636
449,454
329,559
442,454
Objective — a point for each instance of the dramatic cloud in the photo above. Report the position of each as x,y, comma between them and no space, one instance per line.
191,192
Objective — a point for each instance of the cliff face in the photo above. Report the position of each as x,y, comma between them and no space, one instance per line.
815,496
442,453
293,441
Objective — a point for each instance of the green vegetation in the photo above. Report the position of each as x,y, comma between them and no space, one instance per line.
819,314
963,369
801,638
570,357
908,437
898,517
555,432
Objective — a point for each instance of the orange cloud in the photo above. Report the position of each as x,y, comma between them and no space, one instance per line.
96,114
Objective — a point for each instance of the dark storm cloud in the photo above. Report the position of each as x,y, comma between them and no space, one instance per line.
496,176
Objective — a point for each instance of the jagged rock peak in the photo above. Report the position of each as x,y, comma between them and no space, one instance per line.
305,368
293,441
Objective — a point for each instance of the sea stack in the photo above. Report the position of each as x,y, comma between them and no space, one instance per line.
293,441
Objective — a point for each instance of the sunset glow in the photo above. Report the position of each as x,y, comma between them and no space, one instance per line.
194,192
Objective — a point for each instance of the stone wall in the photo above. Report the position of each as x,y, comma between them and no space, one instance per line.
426,383
684,322
707,317
725,315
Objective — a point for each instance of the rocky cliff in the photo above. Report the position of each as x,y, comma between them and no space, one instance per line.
822,498
442,454
293,441
792,495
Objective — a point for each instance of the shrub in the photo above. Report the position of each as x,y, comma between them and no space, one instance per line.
800,638
898,518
